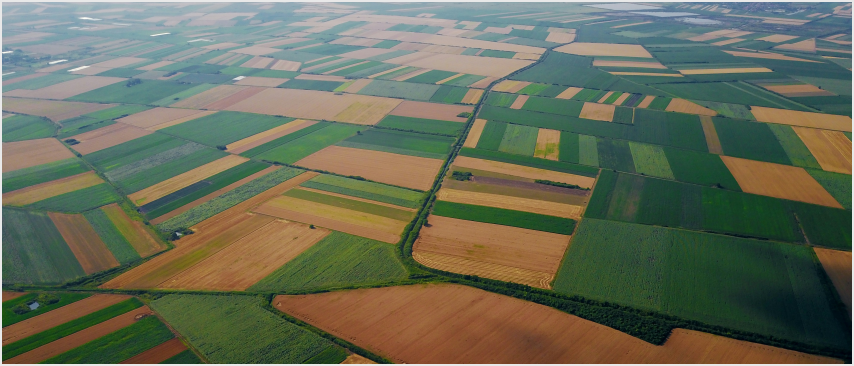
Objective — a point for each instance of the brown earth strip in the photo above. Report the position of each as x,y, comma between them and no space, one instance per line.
605,97
210,96
24,154
62,315
80,338
235,98
330,224
598,112
803,119
837,265
54,110
474,134
569,93
684,106
357,85
87,246
780,181
604,49
712,140
105,137
767,55
259,139
519,102
356,199
523,171
622,98
9,295
547,144
831,149
448,323
401,170
556,194
647,100
38,192
356,359
159,353
318,105
472,96
134,231
66,89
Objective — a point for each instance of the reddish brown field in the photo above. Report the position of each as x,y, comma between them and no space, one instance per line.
776,180
249,259
445,112
87,246
80,338
159,353
9,295
837,265
235,98
105,137
448,323
66,89
134,231
50,319
201,100
401,170
24,154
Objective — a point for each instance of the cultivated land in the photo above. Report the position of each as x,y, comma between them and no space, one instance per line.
446,183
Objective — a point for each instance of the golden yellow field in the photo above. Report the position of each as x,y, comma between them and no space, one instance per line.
47,190
803,119
475,132
511,203
598,112
548,143
684,106
182,180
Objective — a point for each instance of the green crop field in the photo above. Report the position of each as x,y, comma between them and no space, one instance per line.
40,82
367,190
399,142
520,140
31,176
144,93
700,168
284,139
422,125
568,148
824,226
184,358
750,285
181,197
228,199
431,77
21,127
838,185
160,170
588,150
311,84
369,208
530,161
795,150
37,340
615,154
111,236
500,216
398,89
338,260
446,93
502,99
119,345
10,317
181,95
492,135
650,160
79,200
750,140
34,251
302,147
132,151
233,329
223,128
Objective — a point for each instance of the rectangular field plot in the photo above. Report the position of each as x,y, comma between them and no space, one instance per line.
366,190
488,250
50,189
53,110
317,105
422,125
25,154
223,128
32,238
19,128
649,267
395,169
90,251
831,149
404,143
44,173
781,181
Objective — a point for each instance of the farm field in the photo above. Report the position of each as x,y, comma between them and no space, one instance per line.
455,182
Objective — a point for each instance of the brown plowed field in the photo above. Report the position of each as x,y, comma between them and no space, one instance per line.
604,49
684,106
261,81
24,154
213,195
182,180
80,338
401,170
38,192
367,112
66,89
446,323
105,137
159,353
9,295
209,96
155,65
598,112
622,98
569,93
249,259
777,38
474,134
55,110
647,100
445,112
603,98
356,359
831,149
519,102
712,140
493,244
259,139
455,264
335,218
800,90
776,180
472,96
510,86
803,119
523,171
548,142
485,66
158,116
837,265
317,105
87,246
134,231
62,315
357,85
511,203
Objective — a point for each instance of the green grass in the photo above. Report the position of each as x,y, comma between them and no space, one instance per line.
132,151
503,99
838,185
80,200
111,236
562,107
650,160
464,80
121,73
311,84
737,111
825,226
795,149
283,140
184,358
750,140
181,95
148,177
370,208
400,90
236,329
330,355
568,148
336,261
193,192
223,128
624,115
21,127
447,93
534,89
407,143
302,147
119,345
145,93
751,285
37,340
728,92
422,125
700,168
26,177
364,189
588,150
520,140
76,126
228,199
492,135
500,216
530,162
9,317
34,251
